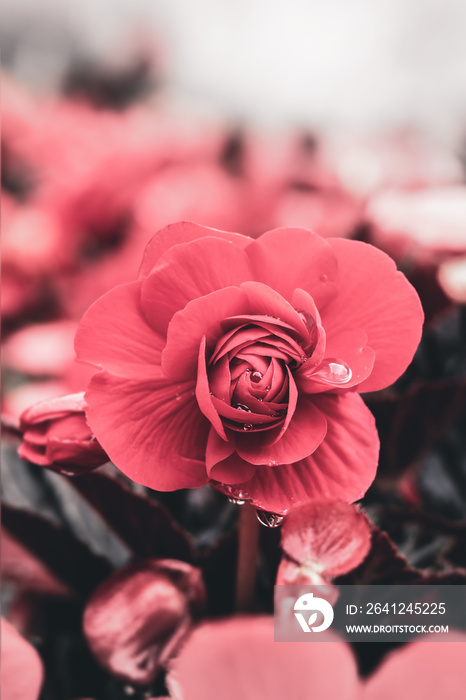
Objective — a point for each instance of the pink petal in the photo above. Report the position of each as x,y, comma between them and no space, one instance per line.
287,258
201,317
21,666
237,659
223,464
376,298
152,429
203,395
265,301
421,671
333,537
189,271
342,468
114,335
183,232
305,433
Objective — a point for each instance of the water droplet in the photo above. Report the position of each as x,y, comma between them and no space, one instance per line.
259,398
247,426
129,690
237,501
242,407
66,472
323,277
308,319
256,377
268,387
269,519
334,371
247,370
272,463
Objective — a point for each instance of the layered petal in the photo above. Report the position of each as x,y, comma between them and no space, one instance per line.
374,297
288,258
342,468
304,434
183,232
224,464
114,335
189,271
151,449
201,317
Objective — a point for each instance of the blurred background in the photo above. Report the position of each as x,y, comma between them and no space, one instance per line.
331,63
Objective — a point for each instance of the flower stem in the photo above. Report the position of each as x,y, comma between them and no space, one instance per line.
248,543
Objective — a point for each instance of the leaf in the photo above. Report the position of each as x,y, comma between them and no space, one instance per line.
142,524
68,559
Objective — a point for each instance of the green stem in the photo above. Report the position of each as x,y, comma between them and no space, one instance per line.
248,544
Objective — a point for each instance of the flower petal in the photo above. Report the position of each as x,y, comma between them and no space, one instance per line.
332,537
114,335
183,232
342,468
201,317
421,671
375,297
22,670
305,433
237,658
223,464
189,271
287,258
148,445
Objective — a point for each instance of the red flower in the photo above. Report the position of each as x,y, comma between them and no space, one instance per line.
237,360
21,666
56,435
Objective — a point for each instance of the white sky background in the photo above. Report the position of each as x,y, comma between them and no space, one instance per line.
339,63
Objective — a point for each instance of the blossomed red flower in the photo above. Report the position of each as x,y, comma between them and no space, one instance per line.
236,361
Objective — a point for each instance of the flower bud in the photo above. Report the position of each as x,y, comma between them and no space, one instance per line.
136,619
56,435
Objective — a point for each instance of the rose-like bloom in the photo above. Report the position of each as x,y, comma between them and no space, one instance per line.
135,621
21,667
56,435
236,361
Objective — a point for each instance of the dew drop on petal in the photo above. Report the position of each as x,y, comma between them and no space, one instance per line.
308,320
237,501
334,371
268,387
247,426
323,277
242,407
256,377
269,519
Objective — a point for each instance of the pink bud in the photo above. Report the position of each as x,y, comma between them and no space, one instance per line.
135,621
56,435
